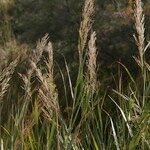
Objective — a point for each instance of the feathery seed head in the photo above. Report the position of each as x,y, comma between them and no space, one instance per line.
86,24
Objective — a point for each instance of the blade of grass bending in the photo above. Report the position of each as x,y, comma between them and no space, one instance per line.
94,141
147,46
64,84
70,82
134,95
128,73
114,134
2,145
113,130
124,117
123,96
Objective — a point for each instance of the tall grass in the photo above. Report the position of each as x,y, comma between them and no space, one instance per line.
85,26
31,115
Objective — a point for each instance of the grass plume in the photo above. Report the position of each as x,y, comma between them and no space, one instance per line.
140,29
86,24
91,65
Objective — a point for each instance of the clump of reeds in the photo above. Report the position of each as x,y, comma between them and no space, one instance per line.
39,101
36,122
24,72
47,93
44,89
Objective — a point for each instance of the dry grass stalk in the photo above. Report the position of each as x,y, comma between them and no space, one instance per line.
41,45
8,71
139,24
85,26
49,77
43,83
49,60
47,93
6,76
92,55
47,97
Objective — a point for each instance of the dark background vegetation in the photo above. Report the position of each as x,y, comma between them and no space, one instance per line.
30,20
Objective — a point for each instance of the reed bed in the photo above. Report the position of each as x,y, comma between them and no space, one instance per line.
31,114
